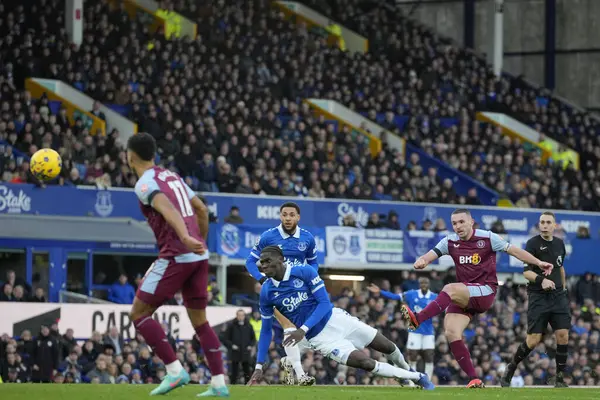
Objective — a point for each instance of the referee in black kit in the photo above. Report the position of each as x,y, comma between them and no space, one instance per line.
548,300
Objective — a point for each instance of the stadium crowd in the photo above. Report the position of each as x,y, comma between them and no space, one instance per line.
226,108
53,356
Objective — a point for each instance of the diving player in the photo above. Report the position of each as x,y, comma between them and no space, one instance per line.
300,295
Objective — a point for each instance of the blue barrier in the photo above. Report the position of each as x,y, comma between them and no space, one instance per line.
264,210
260,213
236,241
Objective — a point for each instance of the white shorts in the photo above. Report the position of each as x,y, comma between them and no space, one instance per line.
417,341
342,335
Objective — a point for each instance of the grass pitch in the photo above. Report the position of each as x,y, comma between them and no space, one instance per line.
141,392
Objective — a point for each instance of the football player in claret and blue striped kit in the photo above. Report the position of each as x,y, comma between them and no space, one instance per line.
299,293
299,248
474,254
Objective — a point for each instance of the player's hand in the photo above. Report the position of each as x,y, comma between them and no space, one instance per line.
234,347
373,288
256,377
293,338
547,284
546,267
420,263
194,245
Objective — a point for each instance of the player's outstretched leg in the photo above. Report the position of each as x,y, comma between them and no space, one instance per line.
457,293
211,346
385,346
150,329
358,359
454,325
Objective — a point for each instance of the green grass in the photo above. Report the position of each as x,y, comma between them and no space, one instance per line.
140,392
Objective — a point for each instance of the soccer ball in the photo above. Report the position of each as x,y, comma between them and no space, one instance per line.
45,164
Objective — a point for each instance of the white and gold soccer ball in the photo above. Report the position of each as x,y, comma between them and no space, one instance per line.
45,164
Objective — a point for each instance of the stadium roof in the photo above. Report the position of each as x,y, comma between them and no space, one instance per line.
87,229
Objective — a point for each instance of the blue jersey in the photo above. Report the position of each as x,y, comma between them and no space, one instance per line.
417,301
298,249
301,297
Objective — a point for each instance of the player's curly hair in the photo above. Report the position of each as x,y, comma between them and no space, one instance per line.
144,145
272,249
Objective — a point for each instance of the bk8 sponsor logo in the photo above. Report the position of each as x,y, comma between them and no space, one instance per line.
475,259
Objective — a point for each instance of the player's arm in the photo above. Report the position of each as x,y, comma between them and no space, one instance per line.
528,271
149,194
266,334
499,244
317,287
311,254
563,273
390,295
200,210
201,215
252,260
161,203
439,250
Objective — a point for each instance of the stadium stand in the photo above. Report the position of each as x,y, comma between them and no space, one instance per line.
255,101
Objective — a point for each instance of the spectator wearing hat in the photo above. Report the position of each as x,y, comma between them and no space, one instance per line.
136,377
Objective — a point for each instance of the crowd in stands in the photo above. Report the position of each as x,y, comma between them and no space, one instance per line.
492,337
227,111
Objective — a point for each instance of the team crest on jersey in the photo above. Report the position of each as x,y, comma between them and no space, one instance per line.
302,246
298,283
480,244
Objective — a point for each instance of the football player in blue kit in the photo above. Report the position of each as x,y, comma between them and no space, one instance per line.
299,248
423,338
300,295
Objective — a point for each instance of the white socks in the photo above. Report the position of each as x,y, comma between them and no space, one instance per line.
397,358
174,368
218,381
413,365
429,369
389,371
293,355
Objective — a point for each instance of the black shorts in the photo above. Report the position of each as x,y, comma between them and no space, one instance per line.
548,308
